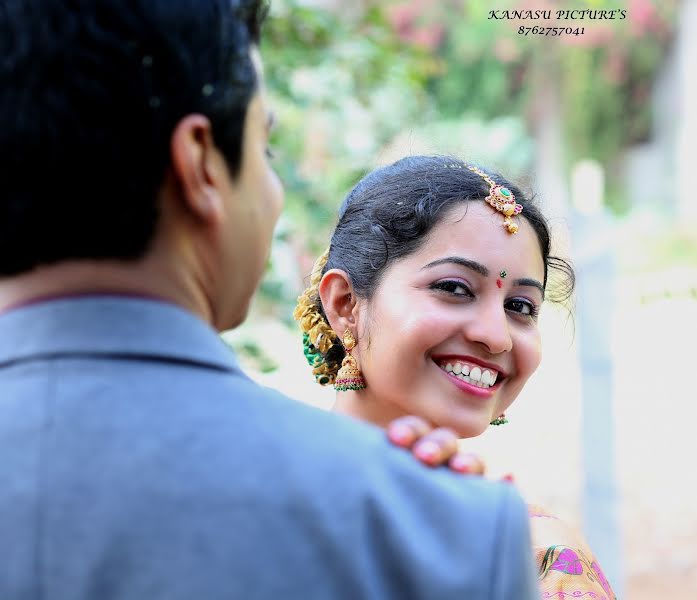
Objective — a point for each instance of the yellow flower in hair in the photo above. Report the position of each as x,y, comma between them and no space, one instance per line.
318,336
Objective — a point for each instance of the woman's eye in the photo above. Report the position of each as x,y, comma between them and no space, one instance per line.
522,307
270,153
457,288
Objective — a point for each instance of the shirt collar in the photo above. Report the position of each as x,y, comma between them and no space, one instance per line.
110,325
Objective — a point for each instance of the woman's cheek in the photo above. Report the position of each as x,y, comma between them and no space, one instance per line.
429,328
534,353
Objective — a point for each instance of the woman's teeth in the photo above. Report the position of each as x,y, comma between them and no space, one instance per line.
483,378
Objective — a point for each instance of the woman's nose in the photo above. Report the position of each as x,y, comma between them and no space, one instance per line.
490,327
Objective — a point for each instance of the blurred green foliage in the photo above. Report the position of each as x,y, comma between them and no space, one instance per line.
348,79
342,87
603,75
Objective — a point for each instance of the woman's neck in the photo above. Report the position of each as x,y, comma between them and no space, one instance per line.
357,405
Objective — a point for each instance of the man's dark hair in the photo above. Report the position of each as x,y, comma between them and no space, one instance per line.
90,92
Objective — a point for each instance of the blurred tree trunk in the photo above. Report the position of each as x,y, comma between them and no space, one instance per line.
686,46
596,277
548,131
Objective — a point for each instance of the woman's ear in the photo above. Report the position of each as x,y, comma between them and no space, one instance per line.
338,300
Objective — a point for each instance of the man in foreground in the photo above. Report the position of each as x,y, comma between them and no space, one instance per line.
138,461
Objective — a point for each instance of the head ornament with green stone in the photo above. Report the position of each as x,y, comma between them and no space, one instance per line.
502,199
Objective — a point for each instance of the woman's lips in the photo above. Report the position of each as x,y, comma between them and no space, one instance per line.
470,375
468,387
479,373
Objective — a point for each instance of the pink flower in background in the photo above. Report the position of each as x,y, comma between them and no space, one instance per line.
615,67
405,18
427,37
641,15
506,50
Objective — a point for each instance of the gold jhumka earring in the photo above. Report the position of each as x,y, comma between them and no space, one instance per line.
349,376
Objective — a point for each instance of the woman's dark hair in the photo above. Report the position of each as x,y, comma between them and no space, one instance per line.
90,93
388,216
391,211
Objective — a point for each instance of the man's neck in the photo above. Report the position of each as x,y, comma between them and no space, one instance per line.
89,277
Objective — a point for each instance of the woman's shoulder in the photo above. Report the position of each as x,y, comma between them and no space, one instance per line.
566,564
549,529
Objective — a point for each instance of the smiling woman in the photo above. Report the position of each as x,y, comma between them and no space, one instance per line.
424,271
435,277
439,305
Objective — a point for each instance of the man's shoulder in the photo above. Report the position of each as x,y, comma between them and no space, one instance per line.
197,452
347,472
351,456
283,436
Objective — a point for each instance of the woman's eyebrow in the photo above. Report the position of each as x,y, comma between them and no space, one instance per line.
525,281
482,270
463,262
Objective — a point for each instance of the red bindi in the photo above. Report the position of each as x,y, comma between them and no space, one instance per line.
498,283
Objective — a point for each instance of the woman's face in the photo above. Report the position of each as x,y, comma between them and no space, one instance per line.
448,335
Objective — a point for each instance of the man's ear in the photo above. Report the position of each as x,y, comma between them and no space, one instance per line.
196,167
338,300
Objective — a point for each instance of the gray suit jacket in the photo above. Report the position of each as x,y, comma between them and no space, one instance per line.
138,462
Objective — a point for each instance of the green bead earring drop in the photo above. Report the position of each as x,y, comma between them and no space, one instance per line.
500,420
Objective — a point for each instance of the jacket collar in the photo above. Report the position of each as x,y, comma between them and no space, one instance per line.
110,325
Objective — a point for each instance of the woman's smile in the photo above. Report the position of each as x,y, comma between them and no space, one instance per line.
469,376
470,370
442,304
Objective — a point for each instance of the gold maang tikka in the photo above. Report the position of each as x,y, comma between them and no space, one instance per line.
502,199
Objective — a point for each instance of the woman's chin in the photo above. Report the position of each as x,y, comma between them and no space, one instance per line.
469,427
